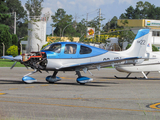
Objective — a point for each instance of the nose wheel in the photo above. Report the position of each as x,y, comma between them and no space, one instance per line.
28,79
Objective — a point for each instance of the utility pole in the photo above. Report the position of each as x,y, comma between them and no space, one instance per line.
75,23
87,24
52,31
87,20
108,25
99,23
75,17
14,22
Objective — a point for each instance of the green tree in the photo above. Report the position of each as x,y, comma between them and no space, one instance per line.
157,10
130,13
21,18
125,36
16,6
46,45
143,10
12,50
81,29
95,23
63,23
128,46
3,15
22,29
143,7
111,24
34,7
154,48
5,36
70,38
3,10
122,16
151,12
14,39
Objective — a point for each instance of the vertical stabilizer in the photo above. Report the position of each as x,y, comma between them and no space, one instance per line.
140,44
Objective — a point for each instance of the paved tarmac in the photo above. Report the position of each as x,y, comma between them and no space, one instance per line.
106,98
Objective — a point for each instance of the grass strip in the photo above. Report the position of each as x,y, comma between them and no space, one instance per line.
9,63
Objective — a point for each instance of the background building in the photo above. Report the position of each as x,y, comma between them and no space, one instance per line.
136,24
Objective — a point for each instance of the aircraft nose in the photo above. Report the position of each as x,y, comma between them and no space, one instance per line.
17,58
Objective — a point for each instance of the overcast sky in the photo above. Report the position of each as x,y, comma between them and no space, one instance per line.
79,8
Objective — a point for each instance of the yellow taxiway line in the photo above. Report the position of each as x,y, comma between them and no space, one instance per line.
154,106
63,105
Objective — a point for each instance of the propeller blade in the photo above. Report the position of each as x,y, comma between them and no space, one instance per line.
13,65
25,66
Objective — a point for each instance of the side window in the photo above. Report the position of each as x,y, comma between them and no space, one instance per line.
47,47
158,33
155,33
70,49
85,50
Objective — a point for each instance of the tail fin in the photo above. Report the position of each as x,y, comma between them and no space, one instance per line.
140,44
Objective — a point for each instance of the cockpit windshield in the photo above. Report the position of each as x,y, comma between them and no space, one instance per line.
53,47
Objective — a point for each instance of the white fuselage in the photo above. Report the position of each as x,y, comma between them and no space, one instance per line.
58,63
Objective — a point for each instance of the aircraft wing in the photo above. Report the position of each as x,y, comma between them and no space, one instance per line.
99,64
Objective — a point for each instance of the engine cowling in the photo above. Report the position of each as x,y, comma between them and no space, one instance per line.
35,60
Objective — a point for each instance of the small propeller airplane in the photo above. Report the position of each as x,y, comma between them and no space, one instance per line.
70,56
150,64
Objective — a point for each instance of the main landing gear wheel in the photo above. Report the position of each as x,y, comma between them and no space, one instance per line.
53,78
82,79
